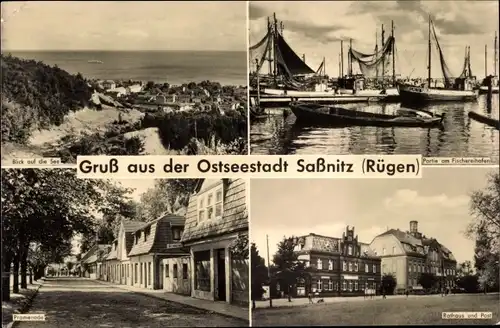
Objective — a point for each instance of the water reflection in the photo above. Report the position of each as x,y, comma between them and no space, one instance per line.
460,136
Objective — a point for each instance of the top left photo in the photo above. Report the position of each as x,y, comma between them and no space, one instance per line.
123,78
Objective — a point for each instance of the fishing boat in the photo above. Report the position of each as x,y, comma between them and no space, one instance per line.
459,89
485,120
337,116
490,82
95,61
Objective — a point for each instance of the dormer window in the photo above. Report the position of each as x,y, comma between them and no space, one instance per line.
330,265
147,232
349,250
320,264
176,234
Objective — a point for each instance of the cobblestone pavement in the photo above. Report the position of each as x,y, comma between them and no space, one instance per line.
82,303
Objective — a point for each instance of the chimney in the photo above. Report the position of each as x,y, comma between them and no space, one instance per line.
413,227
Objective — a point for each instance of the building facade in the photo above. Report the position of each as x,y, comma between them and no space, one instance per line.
216,220
337,266
406,255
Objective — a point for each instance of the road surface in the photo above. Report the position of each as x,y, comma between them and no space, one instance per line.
82,303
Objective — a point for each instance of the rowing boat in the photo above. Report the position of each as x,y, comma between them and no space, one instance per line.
337,116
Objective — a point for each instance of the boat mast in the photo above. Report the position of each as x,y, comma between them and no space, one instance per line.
485,60
393,55
324,66
429,55
341,58
376,52
276,31
383,58
340,67
496,55
271,52
258,83
350,58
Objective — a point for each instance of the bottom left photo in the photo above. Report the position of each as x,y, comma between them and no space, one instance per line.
123,253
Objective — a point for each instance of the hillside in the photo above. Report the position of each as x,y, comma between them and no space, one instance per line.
36,95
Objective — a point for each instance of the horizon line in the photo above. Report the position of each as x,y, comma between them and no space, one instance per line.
118,50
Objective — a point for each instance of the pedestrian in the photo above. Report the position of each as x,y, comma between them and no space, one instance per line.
406,292
383,294
310,296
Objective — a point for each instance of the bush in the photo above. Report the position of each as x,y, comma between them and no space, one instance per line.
177,129
43,95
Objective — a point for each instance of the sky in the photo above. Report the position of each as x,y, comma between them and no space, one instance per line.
439,201
316,28
123,25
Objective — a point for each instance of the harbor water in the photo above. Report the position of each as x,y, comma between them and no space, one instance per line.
461,136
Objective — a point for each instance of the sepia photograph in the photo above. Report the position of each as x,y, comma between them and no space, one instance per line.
377,252
374,77
123,253
123,78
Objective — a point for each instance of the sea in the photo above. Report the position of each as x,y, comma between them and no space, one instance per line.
174,67
460,137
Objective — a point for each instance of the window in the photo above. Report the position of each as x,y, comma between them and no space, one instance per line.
374,268
344,285
350,266
184,271
202,270
135,272
349,250
366,268
409,267
344,266
149,273
383,251
167,272
141,273
350,286
393,250
175,271
147,231
356,267
320,264
330,285
176,234
320,285
210,204
330,265
356,285
137,236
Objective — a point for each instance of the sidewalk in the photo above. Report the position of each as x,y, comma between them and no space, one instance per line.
19,303
283,302
216,307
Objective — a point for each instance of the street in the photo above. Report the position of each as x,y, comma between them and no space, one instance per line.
76,302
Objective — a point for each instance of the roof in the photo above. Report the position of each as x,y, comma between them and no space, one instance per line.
234,216
314,242
131,226
113,253
160,237
418,246
366,250
95,253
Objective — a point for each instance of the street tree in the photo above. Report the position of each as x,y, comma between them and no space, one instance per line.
287,265
388,284
259,274
485,207
427,280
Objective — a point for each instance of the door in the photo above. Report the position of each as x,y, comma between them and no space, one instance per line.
221,274
160,275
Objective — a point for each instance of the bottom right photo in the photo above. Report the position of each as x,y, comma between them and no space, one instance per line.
377,252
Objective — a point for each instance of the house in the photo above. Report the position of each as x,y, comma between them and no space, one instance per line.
91,259
117,92
125,242
338,266
407,255
111,264
153,242
135,88
217,219
109,84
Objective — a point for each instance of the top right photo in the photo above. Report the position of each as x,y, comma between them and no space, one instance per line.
374,77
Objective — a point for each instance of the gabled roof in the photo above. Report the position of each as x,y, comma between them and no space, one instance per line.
94,254
113,253
131,226
160,239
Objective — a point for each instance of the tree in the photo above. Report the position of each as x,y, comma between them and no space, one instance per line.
469,283
288,267
259,274
389,282
485,207
427,280
464,269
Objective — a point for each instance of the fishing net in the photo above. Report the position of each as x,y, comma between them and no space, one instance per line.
258,53
377,64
